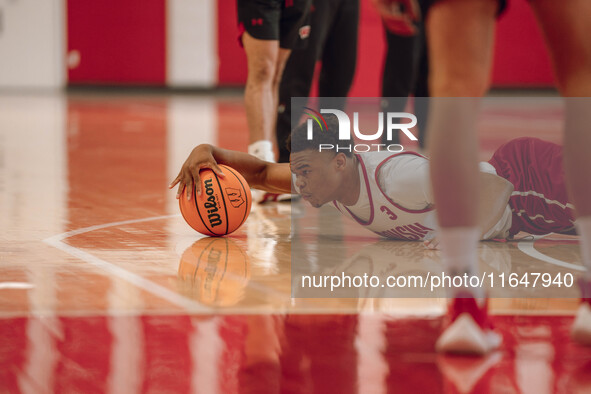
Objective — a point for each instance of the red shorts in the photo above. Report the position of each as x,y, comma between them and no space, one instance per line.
539,202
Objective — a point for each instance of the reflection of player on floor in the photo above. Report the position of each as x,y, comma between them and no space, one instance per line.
390,193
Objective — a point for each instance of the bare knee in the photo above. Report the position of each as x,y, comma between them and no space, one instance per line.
459,83
262,71
261,56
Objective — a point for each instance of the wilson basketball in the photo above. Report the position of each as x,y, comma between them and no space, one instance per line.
214,271
222,207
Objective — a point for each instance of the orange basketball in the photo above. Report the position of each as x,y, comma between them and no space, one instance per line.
214,271
222,207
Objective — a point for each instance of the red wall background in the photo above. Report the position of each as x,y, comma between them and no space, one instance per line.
232,61
124,42
521,58
120,42
520,53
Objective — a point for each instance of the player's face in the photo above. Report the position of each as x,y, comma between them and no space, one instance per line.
315,176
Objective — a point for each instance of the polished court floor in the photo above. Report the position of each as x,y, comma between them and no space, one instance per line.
103,286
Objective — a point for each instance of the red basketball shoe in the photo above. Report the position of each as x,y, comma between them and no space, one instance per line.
470,330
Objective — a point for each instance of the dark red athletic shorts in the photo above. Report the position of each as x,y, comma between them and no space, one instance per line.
539,202
282,20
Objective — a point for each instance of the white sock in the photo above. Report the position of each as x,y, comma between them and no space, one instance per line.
262,149
459,247
584,229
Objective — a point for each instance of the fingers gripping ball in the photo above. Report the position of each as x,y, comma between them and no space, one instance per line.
222,207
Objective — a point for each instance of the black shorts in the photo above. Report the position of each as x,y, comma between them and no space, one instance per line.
282,20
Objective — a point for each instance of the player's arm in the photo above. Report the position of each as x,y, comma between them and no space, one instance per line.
271,177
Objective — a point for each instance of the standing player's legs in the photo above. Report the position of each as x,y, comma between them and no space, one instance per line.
406,71
339,55
284,55
566,28
299,73
296,82
333,38
399,74
402,56
269,29
460,35
421,91
265,63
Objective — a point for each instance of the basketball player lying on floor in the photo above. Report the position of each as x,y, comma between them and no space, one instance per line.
521,186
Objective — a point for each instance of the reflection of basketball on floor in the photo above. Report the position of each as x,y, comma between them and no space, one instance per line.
222,207
214,271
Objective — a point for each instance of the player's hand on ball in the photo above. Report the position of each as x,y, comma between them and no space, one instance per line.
188,179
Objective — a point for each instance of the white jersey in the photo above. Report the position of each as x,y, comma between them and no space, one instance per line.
395,198
501,229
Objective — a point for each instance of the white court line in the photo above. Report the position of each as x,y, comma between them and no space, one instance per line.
69,234
15,285
527,247
174,298
145,284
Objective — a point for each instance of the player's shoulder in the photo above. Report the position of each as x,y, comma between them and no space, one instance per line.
406,161
397,169
381,158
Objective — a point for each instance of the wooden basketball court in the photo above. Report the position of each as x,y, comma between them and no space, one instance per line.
103,286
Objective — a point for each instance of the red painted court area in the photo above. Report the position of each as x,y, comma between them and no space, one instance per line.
281,353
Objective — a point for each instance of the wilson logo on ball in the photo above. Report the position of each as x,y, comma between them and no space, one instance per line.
223,205
235,196
211,205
